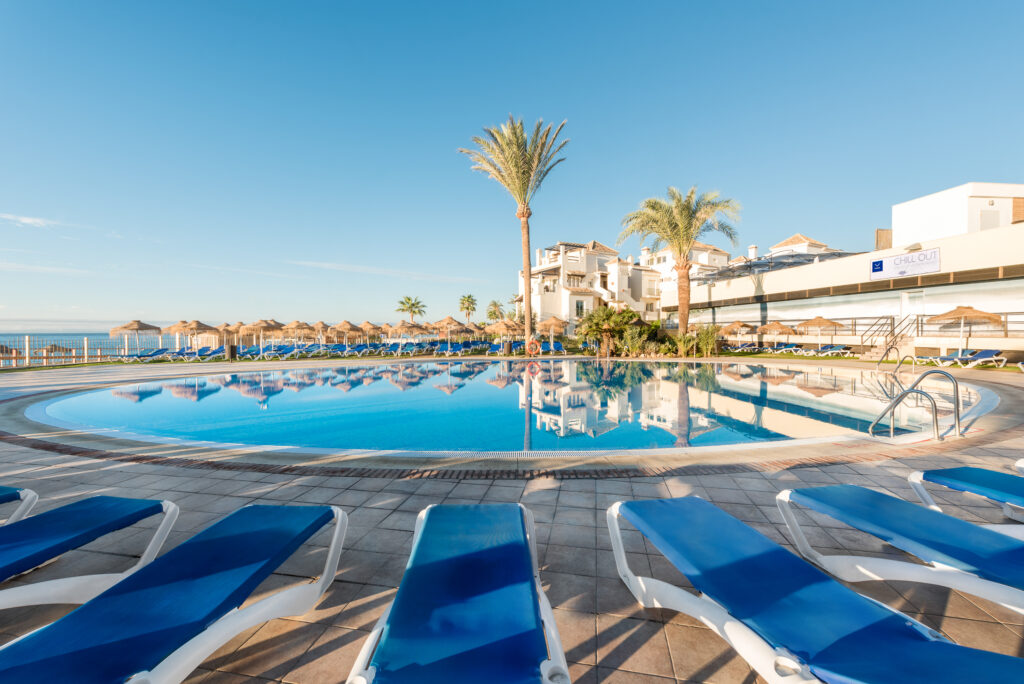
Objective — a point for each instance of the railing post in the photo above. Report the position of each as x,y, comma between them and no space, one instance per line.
28,360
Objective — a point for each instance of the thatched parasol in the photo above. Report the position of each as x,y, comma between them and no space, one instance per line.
298,328
736,327
344,329
387,328
968,315
411,329
134,327
818,323
553,326
260,327
503,327
446,322
174,329
197,328
369,329
474,329
776,328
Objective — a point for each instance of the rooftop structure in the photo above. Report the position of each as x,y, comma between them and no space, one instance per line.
967,208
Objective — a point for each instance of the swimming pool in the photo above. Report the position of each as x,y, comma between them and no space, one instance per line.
441,406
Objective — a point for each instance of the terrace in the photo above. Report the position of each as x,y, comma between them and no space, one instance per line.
606,635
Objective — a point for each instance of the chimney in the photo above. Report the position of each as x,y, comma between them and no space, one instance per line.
883,238
539,252
752,252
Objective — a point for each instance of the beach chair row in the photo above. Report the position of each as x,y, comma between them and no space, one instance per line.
470,606
793,348
967,358
291,351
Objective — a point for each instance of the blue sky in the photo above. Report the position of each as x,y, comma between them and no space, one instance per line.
241,160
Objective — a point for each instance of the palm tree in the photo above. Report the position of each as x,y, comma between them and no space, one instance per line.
467,305
678,223
520,163
412,306
494,311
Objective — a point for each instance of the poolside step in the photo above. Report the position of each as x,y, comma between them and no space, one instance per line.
904,343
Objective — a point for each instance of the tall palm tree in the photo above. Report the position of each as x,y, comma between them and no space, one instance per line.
520,163
678,223
494,311
467,305
412,306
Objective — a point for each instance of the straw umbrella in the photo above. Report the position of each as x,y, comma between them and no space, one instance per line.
257,328
474,329
345,329
736,327
388,329
554,326
776,328
818,323
969,315
319,329
174,329
133,327
410,329
195,328
369,329
297,329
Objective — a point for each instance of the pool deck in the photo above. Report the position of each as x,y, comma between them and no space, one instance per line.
607,637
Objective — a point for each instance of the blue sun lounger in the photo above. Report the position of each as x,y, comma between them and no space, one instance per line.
1003,488
160,623
787,619
958,555
39,539
27,498
470,607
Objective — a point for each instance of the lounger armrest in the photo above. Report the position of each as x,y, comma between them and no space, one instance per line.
28,500
916,480
867,568
78,590
292,601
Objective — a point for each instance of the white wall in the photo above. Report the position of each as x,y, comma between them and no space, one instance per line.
952,212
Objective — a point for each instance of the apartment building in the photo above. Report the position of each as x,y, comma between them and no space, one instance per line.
570,278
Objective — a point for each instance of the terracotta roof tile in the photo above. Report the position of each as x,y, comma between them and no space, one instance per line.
798,239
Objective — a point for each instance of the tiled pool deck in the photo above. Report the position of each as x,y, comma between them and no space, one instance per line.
607,637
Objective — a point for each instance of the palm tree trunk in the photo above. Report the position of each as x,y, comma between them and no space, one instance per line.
524,214
682,414
683,294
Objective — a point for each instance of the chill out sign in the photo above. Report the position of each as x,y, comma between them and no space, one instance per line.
914,263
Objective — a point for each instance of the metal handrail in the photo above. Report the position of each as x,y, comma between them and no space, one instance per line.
913,367
956,392
891,410
885,354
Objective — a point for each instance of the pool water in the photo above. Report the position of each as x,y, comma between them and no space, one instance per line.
441,406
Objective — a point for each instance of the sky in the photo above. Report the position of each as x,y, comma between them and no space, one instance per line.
235,160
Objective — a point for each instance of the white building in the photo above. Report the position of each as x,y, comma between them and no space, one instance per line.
571,278
967,208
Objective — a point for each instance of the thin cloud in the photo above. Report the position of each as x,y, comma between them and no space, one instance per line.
373,270
235,269
30,221
12,267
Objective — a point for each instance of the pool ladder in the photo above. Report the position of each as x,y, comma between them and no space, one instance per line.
906,392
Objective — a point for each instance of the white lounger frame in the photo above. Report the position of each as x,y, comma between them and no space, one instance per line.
916,480
775,665
554,670
28,500
866,568
78,590
292,601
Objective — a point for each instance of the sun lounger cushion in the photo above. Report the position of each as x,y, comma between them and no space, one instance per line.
39,538
139,621
842,636
927,534
991,484
8,494
467,609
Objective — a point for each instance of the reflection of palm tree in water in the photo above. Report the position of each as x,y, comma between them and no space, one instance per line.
609,379
527,433
703,379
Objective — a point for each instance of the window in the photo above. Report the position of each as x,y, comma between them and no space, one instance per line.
662,259
650,306
579,308
574,281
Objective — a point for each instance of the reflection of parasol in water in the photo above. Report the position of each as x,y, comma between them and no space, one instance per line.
501,381
194,389
140,393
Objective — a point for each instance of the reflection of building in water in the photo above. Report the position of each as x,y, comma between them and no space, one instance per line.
587,398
